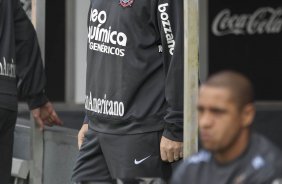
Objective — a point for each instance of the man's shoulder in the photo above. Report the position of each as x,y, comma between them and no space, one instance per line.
266,149
192,167
202,156
196,161
266,163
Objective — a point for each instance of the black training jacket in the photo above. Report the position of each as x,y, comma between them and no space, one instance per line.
259,164
21,69
135,67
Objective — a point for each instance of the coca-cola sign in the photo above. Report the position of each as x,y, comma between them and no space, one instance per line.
265,20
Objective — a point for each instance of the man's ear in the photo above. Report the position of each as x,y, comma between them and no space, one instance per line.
248,114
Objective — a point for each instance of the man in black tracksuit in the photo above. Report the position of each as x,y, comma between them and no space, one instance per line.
232,154
134,93
21,74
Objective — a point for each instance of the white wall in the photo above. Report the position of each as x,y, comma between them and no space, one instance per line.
80,49
76,42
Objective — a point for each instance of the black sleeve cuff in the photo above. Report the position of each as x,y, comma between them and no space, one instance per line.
86,120
173,132
37,101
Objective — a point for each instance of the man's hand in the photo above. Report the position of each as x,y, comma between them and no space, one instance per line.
171,150
46,115
81,133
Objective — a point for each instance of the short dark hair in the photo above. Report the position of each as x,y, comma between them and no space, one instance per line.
239,85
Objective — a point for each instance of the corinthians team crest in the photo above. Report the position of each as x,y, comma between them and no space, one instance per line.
125,3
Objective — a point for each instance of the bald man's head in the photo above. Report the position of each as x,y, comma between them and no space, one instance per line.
240,87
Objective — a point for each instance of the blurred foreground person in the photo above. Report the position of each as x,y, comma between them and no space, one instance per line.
233,153
21,74
134,90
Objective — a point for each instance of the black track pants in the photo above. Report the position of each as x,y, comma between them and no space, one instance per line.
104,157
7,126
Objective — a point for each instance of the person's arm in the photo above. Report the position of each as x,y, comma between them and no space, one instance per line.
29,70
170,20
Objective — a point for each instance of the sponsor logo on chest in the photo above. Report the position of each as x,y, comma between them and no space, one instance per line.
105,39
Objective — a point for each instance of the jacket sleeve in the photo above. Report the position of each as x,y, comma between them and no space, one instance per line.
170,22
86,119
29,66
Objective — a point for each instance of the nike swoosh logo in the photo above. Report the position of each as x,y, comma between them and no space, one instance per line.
136,162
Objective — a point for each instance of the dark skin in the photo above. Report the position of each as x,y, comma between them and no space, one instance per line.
223,124
46,115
